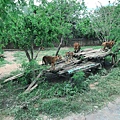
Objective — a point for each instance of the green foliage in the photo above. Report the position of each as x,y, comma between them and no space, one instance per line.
29,66
84,28
53,107
105,22
29,72
1,50
40,25
79,81
94,78
116,47
103,72
3,62
79,76
49,90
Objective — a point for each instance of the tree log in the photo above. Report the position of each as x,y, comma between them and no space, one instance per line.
14,77
31,86
59,46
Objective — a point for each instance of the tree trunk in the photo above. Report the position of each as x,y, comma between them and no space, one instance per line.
37,53
27,54
59,46
31,51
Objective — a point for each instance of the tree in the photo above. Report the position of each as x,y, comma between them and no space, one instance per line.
27,30
116,30
104,21
5,6
65,15
41,25
84,28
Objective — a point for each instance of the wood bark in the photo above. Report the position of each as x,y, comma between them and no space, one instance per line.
31,86
59,46
37,53
27,54
13,77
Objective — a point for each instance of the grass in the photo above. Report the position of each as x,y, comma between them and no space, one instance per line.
3,62
59,99
53,100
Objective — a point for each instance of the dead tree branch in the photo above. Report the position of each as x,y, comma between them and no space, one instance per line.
14,77
33,85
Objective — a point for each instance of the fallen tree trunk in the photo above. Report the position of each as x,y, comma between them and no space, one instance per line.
82,66
32,88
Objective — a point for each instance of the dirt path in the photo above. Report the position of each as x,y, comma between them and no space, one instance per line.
12,66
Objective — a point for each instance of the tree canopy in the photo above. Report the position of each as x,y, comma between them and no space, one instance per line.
39,25
105,22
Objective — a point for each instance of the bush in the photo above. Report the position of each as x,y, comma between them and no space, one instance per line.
29,72
78,80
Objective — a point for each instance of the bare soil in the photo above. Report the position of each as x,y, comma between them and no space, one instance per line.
12,66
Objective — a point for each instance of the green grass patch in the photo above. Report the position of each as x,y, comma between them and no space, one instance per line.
20,56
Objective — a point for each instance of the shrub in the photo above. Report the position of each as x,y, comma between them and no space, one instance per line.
29,72
78,80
